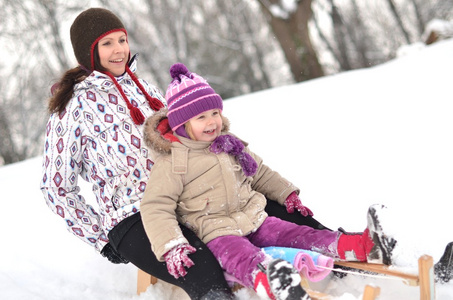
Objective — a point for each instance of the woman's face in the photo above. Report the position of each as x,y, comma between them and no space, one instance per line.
114,52
207,125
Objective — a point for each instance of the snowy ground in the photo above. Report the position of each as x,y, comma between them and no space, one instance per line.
380,135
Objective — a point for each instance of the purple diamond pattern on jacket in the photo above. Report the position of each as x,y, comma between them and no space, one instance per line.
60,145
135,141
131,161
108,118
91,96
113,99
57,179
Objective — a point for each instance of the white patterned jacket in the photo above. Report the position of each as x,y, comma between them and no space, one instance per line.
96,138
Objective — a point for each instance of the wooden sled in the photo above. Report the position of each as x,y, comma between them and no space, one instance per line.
144,280
424,279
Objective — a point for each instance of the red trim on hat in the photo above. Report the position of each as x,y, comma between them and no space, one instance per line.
98,39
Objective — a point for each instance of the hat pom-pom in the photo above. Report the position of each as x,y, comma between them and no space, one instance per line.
178,69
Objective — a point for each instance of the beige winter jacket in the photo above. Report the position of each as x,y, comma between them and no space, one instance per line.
206,192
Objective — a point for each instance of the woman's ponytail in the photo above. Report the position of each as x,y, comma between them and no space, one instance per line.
63,90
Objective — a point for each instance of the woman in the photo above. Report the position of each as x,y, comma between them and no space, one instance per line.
95,132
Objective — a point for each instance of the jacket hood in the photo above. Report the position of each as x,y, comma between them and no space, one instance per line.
158,135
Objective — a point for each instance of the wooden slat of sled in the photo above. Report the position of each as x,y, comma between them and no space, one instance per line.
379,268
371,292
144,280
424,279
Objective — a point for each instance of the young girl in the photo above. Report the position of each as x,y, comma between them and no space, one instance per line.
207,179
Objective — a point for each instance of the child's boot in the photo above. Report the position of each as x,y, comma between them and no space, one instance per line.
373,245
443,269
261,285
354,246
280,281
383,242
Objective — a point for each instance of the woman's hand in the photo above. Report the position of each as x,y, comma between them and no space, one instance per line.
293,202
114,257
177,259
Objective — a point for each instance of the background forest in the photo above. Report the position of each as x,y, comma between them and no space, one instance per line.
240,46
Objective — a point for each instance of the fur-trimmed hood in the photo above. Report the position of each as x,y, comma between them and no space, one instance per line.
158,135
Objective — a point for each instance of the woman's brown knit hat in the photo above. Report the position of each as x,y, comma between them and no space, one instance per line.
88,28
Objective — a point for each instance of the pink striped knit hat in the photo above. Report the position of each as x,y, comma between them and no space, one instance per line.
188,95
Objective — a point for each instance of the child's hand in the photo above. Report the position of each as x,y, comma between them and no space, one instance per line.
177,258
293,202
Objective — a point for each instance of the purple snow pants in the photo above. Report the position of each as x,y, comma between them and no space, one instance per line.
240,255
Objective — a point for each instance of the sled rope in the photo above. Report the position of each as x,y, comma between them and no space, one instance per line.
363,274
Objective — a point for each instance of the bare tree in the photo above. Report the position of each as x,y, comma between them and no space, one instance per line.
420,20
349,39
361,34
290,26
225,41
36,58
398,20
340,36
361,38
240,46
7,147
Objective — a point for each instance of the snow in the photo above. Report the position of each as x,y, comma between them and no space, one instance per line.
284,9
441,27
378,135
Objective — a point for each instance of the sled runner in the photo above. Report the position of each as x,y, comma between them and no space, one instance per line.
369,293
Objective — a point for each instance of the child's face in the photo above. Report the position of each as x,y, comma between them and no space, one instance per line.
114,52
207,125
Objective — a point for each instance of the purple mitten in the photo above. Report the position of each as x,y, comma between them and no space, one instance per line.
293,202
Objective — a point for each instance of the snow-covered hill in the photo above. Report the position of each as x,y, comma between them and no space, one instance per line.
380,135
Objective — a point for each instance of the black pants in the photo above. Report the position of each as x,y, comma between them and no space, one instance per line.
206,276
276,210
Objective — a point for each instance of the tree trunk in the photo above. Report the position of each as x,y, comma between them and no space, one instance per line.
397,16
419,18
360,38
339,37
291,30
